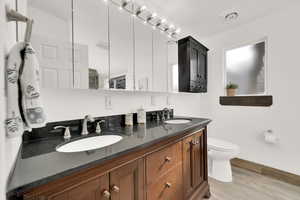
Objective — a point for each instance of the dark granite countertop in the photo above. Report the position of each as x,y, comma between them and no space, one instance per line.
33,171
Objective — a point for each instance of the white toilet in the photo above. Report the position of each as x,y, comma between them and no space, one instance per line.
220,153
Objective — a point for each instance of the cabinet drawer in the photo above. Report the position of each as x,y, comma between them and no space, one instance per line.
162,161
167,187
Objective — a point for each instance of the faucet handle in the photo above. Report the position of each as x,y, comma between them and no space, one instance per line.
67,134
98,127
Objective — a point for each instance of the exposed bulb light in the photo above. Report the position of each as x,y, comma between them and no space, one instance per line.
163,21
171,26
145,22
178,30
154,15
143,8
120,8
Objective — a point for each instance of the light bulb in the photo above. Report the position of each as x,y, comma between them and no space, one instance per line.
171,26
143,8
154,15
163,21
178,30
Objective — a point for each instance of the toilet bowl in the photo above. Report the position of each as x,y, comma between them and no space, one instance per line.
220,153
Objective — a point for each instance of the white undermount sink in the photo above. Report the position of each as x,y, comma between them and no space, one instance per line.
89,144
178,121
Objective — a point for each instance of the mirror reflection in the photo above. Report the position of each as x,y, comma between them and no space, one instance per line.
173,78
52,41
160,62
121,49
91,47
143,56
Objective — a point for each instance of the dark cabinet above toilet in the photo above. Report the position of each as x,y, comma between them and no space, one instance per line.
192,65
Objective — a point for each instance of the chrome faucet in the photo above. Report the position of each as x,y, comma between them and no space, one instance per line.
87,118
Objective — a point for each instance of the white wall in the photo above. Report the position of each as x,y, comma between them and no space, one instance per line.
8,147
244,125
2,105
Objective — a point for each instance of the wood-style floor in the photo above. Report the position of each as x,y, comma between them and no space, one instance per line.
251,186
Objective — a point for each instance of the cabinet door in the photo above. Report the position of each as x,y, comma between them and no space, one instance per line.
127,182
193,162
197,159
96,189
187,166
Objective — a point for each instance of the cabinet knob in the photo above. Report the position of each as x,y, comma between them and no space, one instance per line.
106,194
115,188
168,185
168,159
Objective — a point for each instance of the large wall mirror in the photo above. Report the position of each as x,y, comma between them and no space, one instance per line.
92,44
52,40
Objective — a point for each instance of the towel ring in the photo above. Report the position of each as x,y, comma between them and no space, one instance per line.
13,15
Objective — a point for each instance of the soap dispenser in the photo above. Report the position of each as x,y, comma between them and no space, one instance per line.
141,116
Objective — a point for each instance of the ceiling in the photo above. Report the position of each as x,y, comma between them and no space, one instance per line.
206,17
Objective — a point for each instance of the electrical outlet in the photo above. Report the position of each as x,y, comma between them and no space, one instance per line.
108,104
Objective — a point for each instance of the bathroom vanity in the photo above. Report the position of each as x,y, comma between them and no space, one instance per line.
153,161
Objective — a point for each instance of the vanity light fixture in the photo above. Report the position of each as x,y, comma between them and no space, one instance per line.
152,19
140,10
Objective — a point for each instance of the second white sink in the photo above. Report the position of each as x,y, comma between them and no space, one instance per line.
89,144
177,121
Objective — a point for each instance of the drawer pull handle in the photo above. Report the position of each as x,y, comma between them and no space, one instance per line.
168,185
115,188
106,194
168,159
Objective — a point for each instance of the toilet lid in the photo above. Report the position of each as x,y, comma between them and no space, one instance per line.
221,145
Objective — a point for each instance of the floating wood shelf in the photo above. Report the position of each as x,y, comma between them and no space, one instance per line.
263,101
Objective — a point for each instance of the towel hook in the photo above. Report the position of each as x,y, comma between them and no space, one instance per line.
13,15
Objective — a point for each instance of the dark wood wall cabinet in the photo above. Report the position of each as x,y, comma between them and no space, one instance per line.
173,169
259,101
192,66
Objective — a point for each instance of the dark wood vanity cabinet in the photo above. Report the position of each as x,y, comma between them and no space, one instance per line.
127,182
194,163
124,183
173,169
192,66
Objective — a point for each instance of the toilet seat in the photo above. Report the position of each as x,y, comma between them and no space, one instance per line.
221,145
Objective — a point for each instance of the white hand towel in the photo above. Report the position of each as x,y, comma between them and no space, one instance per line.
14,123
24,106
30,87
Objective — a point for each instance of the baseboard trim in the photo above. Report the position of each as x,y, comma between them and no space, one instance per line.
267,171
